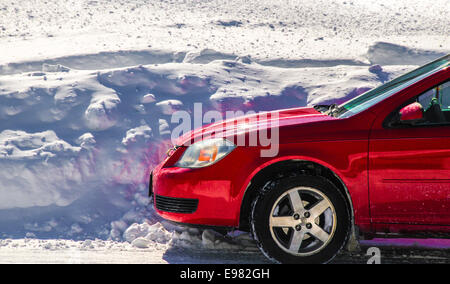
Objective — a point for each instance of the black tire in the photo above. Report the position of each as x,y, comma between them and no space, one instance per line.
269,238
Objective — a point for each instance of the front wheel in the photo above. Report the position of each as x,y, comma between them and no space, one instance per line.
303,219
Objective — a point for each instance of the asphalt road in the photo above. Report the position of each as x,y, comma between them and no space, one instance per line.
397,255
45,253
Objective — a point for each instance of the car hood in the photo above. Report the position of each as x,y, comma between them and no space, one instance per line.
256,122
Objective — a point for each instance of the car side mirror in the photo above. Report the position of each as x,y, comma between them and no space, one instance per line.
411,112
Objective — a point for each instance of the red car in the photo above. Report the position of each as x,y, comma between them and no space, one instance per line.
377,164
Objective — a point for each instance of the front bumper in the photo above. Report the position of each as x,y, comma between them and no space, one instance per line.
184,196
207,196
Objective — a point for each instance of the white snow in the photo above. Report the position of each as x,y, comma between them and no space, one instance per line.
149,98
264,29
87,89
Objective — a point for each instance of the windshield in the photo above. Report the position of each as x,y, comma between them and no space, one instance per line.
374,96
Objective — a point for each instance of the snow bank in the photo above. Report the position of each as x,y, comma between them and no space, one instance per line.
39,169
143,235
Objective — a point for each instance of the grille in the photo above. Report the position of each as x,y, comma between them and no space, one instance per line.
176,205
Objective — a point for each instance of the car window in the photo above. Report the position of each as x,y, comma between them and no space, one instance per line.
436,106
444,94
425,98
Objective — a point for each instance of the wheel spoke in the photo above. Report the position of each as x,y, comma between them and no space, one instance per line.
296,241
296,201
319,208
318,233
283,221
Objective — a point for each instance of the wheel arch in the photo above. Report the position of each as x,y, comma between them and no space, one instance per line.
288,167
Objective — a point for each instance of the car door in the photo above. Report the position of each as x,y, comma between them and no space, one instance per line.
409,166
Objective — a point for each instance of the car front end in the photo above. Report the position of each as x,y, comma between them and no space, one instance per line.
204,177
186,191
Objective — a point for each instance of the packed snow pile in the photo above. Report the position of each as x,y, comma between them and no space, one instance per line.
87,94
145,235
27,168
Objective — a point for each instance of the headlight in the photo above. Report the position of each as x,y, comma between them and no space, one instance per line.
205,153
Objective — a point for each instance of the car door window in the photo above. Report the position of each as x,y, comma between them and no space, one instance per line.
425,98
436,108
444,95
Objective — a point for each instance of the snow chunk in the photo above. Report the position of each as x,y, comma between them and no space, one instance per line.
100,115
139,134
66,95
159,234
86,140
16,144
164,128
140,235
149,98
54,68
141,243
168,107
208,238
136,231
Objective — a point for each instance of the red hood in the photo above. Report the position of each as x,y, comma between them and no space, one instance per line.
248,123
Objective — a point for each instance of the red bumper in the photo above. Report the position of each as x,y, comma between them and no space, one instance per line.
212,186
